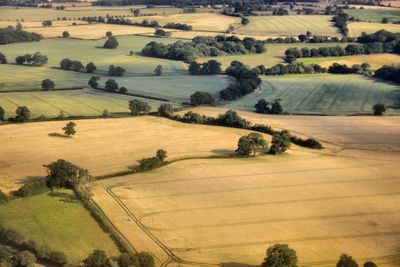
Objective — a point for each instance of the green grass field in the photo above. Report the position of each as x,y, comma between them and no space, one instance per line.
289,25
273,55
375,15
323,94
59,222
87,102
357,28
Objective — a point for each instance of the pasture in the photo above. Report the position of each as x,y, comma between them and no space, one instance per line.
321,203
375,15
58,221
105,146
278,26
85,102
327,94
375,60
357,28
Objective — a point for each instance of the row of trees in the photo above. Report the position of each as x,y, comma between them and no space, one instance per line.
210,67
292,68
75,65
203,46
99,258
14,35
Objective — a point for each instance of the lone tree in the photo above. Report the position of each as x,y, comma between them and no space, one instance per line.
280,143
379,109
161,154
47,23
69,128
166,110
251,144
64,174
280,255
23,114
65,34
2,114
111,43
138,107
158,70
93,81
24,258
346,261
47,85
201,98
98,258
90,67
111,85
122,90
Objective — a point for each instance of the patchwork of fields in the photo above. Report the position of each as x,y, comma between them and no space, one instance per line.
324,94
271,26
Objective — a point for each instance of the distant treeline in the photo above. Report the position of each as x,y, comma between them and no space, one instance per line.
204,46
14,35
380,42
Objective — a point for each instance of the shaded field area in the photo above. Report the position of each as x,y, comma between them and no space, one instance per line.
86,102
357,28
289,26
375,60
105,146
324,94
375,15
57,220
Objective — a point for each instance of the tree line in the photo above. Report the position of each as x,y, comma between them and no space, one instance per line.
204,46
15,35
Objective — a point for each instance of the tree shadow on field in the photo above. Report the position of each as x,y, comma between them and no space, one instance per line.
58,135
65,197
236,264
223,152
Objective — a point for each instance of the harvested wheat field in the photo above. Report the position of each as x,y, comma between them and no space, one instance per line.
104,145
357,28
322,203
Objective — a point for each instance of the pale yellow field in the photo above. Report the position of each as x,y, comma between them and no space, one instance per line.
38,24
226,212
91,31
357,28
199,21
104,145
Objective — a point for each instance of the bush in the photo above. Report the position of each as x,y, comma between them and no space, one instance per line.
201,98
32,188
309,142
123,90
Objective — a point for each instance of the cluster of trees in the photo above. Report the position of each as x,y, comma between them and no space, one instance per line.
337,68
280,11
292,68
379,42
305,38
76,65
14,35
139,107
389,73
201,98
210,67
161,33
246,81
36,59
264,107
116,71
340,20
204,46
178,26
253,143
157,161
99,258
110,85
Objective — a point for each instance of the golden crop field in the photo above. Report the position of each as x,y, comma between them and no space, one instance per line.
226,212
104,145
357,28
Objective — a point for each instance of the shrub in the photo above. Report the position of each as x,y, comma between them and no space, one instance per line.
201,98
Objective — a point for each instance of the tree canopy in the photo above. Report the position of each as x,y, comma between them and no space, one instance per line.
280,255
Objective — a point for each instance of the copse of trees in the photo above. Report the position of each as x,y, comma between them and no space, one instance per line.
37,59
111,43
203,46
280,142
110,85
116,71
210,67
246,81
340,20
161,33
291,68
178,26
64,174
280,11
73,65
264,107
337,68
139,107
201,98
157,161
14,35
249,145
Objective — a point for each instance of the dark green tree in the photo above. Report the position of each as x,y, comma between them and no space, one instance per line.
280,142
166,110
262,106
93,81
69,128
276,107
251,144
111,85
47,23
201,98
65,34
138,107
123,90
346,261
379,109
90,67
280,255
111,43
64,174
3,59
158,70
98,258
23,114
47,85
